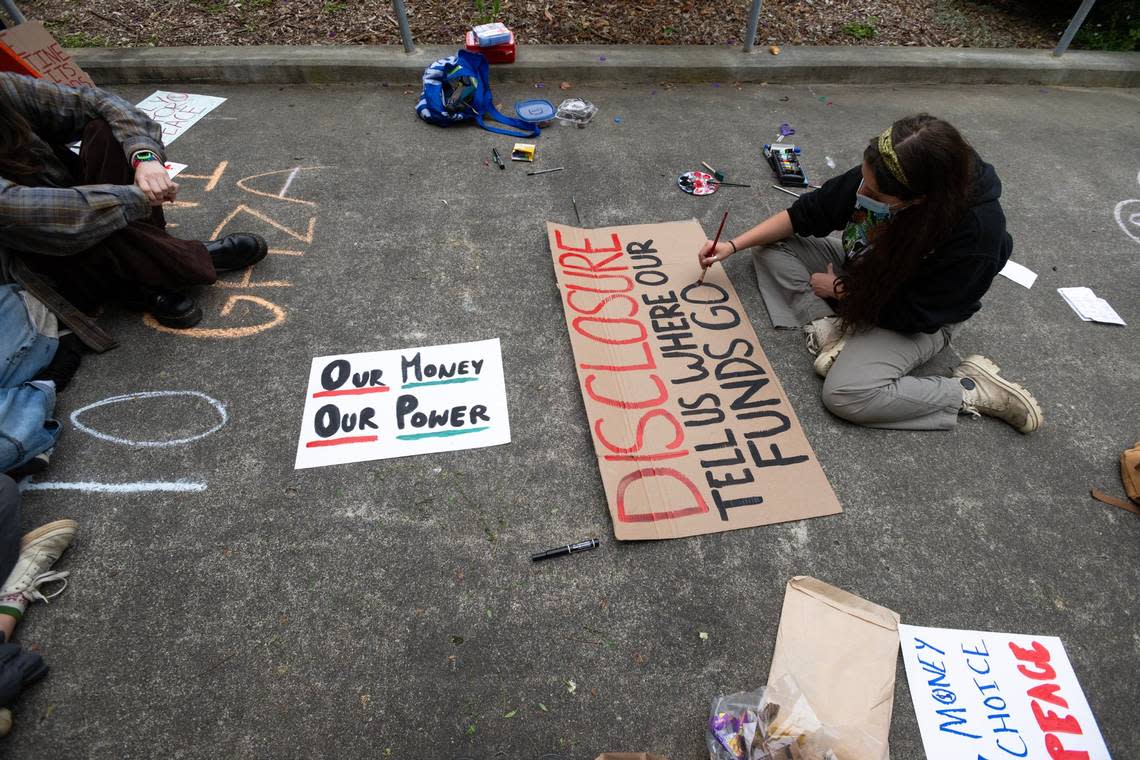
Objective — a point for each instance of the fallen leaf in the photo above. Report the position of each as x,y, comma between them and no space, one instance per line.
774,49
511,714
542,707
565,86
571,687
549,16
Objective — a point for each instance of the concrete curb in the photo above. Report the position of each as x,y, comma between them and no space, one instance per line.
617,63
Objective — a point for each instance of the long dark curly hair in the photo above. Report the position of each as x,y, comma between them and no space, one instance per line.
17,161
938,164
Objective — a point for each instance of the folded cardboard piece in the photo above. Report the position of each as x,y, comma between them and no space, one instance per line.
38,51
841,650
692,430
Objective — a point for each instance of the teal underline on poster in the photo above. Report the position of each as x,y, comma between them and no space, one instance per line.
440,433
441,382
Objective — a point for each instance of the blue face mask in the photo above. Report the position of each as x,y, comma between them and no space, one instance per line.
877,209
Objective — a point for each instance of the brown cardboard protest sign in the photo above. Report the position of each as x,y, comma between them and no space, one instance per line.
41,52
692,430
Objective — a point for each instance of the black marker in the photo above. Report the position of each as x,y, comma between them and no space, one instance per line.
581,546
499,161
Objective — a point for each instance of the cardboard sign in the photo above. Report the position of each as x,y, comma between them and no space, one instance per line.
41,52
386,404
692,431
176,112
982,694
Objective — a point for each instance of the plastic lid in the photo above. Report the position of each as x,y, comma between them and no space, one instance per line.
535,110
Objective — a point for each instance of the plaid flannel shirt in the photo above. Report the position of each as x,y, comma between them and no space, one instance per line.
58,219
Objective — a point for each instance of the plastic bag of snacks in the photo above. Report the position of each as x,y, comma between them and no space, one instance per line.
777,723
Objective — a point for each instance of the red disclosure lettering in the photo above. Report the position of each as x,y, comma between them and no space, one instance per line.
639,436
699,506
1049,721
633,333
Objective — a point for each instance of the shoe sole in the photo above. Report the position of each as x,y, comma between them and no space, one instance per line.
823,363
48,530
992,371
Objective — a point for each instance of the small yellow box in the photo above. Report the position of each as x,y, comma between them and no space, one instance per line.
523,152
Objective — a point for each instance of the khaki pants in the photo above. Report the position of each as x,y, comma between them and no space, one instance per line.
870,383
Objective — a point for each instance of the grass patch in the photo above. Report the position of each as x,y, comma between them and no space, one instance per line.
334,7
487,11
79,40
861,30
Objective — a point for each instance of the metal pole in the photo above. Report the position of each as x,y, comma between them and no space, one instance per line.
1074,27
13,11
753,23
405,30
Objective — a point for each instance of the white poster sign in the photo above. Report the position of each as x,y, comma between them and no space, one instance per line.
997,695
176,112
385,404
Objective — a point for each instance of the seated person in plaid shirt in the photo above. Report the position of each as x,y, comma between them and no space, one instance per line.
81,231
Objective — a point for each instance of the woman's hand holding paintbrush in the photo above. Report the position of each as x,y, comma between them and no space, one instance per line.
703,256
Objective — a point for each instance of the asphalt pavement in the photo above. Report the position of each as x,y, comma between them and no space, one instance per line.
389,609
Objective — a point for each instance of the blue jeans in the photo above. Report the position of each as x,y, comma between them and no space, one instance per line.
26,406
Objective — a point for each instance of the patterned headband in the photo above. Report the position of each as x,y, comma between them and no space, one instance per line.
890,158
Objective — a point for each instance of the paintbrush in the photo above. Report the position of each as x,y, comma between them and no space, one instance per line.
720,229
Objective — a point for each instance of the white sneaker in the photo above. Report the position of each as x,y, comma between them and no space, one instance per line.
825,339
984,391
38,552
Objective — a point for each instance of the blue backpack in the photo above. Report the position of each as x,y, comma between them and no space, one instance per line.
458,89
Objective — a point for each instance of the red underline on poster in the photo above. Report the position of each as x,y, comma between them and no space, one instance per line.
440,434
339,441
352,391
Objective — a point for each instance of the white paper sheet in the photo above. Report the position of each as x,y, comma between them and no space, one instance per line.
981,694
1089,306
176,112
174,169
385,404
1020,274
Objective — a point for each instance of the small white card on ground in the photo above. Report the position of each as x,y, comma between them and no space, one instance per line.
176,112
1022,275
983,694
1089,306
173,169
384,404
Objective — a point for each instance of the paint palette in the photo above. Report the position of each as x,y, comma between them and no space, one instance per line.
697,183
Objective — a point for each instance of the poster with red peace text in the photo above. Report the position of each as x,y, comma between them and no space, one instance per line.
692,430
990,695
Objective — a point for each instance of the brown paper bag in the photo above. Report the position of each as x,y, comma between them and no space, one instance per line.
841,650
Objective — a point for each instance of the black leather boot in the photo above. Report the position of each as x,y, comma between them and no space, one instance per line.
237,251
168,307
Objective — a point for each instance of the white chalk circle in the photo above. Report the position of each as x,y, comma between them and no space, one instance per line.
217,406
1129,218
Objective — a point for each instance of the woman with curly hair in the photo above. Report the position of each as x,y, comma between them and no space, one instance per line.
922,237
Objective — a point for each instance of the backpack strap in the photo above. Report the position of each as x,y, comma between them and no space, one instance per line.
528,129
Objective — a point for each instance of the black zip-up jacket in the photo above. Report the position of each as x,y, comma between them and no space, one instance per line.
949,284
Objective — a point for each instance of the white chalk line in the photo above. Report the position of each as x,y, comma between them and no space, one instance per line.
142,486
288,182
1133,218
218,407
